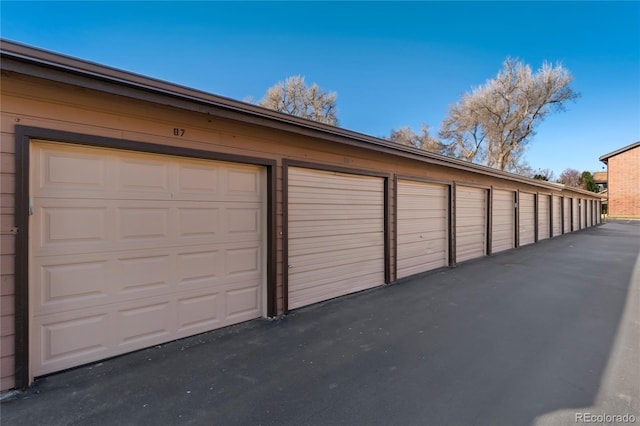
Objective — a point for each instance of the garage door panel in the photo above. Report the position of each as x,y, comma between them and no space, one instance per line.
318,228
70,228
424,217
543,217
305,223
198,222
338,279
72,171
526,211
69,338
503,224
434,237
168,247
199,312
340,256
336,234
432,242
63,342
326,245
143,273
69,170
470,251
242,261
557,215
243,182
420,261
308,178
471,223
566,218
243,220
68,282
62,226
422,230
142,173
338,282
197,179
139,224
142,326
332,212
354,195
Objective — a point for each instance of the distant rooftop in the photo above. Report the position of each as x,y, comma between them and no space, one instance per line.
600,177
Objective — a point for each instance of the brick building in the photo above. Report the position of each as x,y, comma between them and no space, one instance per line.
623,183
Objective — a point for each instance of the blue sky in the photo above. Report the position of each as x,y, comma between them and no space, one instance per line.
392,64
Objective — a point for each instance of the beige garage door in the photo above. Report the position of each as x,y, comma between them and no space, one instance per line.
586,213
527,218
471,223
422,227
583,213
557,215
576,214
336,234
503,221
543,217
129,250
567,214
589,213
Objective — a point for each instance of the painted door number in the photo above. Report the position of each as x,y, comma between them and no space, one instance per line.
178,132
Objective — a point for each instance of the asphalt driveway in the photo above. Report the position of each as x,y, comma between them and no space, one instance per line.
530,336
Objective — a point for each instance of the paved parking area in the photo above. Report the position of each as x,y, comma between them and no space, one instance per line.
530,336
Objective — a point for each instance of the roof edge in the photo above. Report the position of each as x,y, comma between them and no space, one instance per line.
605,157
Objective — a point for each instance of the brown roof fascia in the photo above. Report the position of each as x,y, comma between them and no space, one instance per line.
44,64
606,157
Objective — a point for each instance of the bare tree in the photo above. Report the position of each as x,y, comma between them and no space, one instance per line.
294,97
571,177
424,140
493,123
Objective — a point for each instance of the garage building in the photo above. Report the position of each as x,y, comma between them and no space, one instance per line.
136,212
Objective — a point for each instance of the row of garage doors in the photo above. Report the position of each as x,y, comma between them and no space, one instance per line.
132,249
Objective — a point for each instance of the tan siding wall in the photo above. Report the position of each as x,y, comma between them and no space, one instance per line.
33,102
7,256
